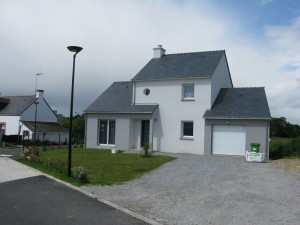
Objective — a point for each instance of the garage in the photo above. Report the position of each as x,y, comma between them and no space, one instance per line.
229,140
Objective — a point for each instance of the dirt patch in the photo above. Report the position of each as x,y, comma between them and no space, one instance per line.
291,165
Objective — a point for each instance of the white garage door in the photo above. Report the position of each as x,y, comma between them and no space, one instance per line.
229,140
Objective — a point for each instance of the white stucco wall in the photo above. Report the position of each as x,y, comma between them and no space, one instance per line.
220,79
128,128
44,113
173,110
12,124
91,131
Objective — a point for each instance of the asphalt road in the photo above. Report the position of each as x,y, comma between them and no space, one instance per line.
27,197
12,153
39,200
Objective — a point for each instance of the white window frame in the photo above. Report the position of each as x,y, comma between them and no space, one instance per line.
187,98
107,132
186,137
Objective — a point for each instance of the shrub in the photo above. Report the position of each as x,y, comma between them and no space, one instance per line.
284,147
146,150
32,154
60,166
49,163
276,151
80,173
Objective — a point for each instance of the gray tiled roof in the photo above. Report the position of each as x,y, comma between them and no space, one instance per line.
16,104
186,65
240,103
117,99
45,127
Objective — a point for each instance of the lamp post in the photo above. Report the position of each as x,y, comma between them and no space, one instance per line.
36,103
75,49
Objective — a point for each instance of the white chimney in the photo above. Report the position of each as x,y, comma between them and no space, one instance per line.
39,94
158,52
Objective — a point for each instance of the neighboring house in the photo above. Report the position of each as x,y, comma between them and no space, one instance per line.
19,113
180,103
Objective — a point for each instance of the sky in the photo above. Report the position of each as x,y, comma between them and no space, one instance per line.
260,37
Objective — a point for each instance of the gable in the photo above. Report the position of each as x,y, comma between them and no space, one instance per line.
181,66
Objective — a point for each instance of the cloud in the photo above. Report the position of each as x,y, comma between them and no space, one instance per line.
117,39
285,92
265,2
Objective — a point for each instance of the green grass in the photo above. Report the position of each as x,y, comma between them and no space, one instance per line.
103,168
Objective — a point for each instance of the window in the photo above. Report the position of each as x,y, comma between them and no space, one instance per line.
107,130
26,133
187,129
146,91
188,91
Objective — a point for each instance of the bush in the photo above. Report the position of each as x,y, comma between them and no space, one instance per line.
80,173
60,166
32,154
147,148
284,147
276,151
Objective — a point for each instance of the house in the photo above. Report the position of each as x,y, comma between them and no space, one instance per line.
23,115
180,103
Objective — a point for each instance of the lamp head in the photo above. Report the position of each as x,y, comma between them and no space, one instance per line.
74,49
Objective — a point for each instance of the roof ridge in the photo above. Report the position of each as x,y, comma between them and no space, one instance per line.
196,52
244,87
17,96
122,81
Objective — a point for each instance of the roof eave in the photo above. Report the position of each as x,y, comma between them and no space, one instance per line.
173,78
95,112
235,118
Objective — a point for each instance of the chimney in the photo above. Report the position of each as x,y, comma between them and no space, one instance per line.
158,52
39,94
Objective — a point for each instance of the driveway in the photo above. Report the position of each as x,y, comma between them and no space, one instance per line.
211,190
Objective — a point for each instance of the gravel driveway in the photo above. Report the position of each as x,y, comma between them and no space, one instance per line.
211,190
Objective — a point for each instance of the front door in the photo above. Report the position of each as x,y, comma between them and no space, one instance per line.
145,132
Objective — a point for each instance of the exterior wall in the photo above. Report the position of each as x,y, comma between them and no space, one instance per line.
52,137
173,110
135,131
128,128
220,79
12,124
123,134
257,131
44,113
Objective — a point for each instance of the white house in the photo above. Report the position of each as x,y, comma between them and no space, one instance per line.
180,103
18,115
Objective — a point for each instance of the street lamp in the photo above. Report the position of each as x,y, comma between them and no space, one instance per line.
36,103
75,49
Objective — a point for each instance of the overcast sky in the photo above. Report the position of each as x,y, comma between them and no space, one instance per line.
261,39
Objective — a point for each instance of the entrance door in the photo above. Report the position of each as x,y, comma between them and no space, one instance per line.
145,132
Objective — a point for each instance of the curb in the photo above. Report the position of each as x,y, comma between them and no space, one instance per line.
102,200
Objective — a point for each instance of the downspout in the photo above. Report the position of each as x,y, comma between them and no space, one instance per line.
133,93
268,138
85,130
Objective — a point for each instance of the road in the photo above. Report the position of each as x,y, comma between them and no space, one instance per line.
38,200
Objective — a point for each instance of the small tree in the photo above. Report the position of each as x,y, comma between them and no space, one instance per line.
147,148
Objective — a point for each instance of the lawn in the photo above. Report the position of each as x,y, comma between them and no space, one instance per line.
103,168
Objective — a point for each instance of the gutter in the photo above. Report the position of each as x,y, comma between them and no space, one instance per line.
237,118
